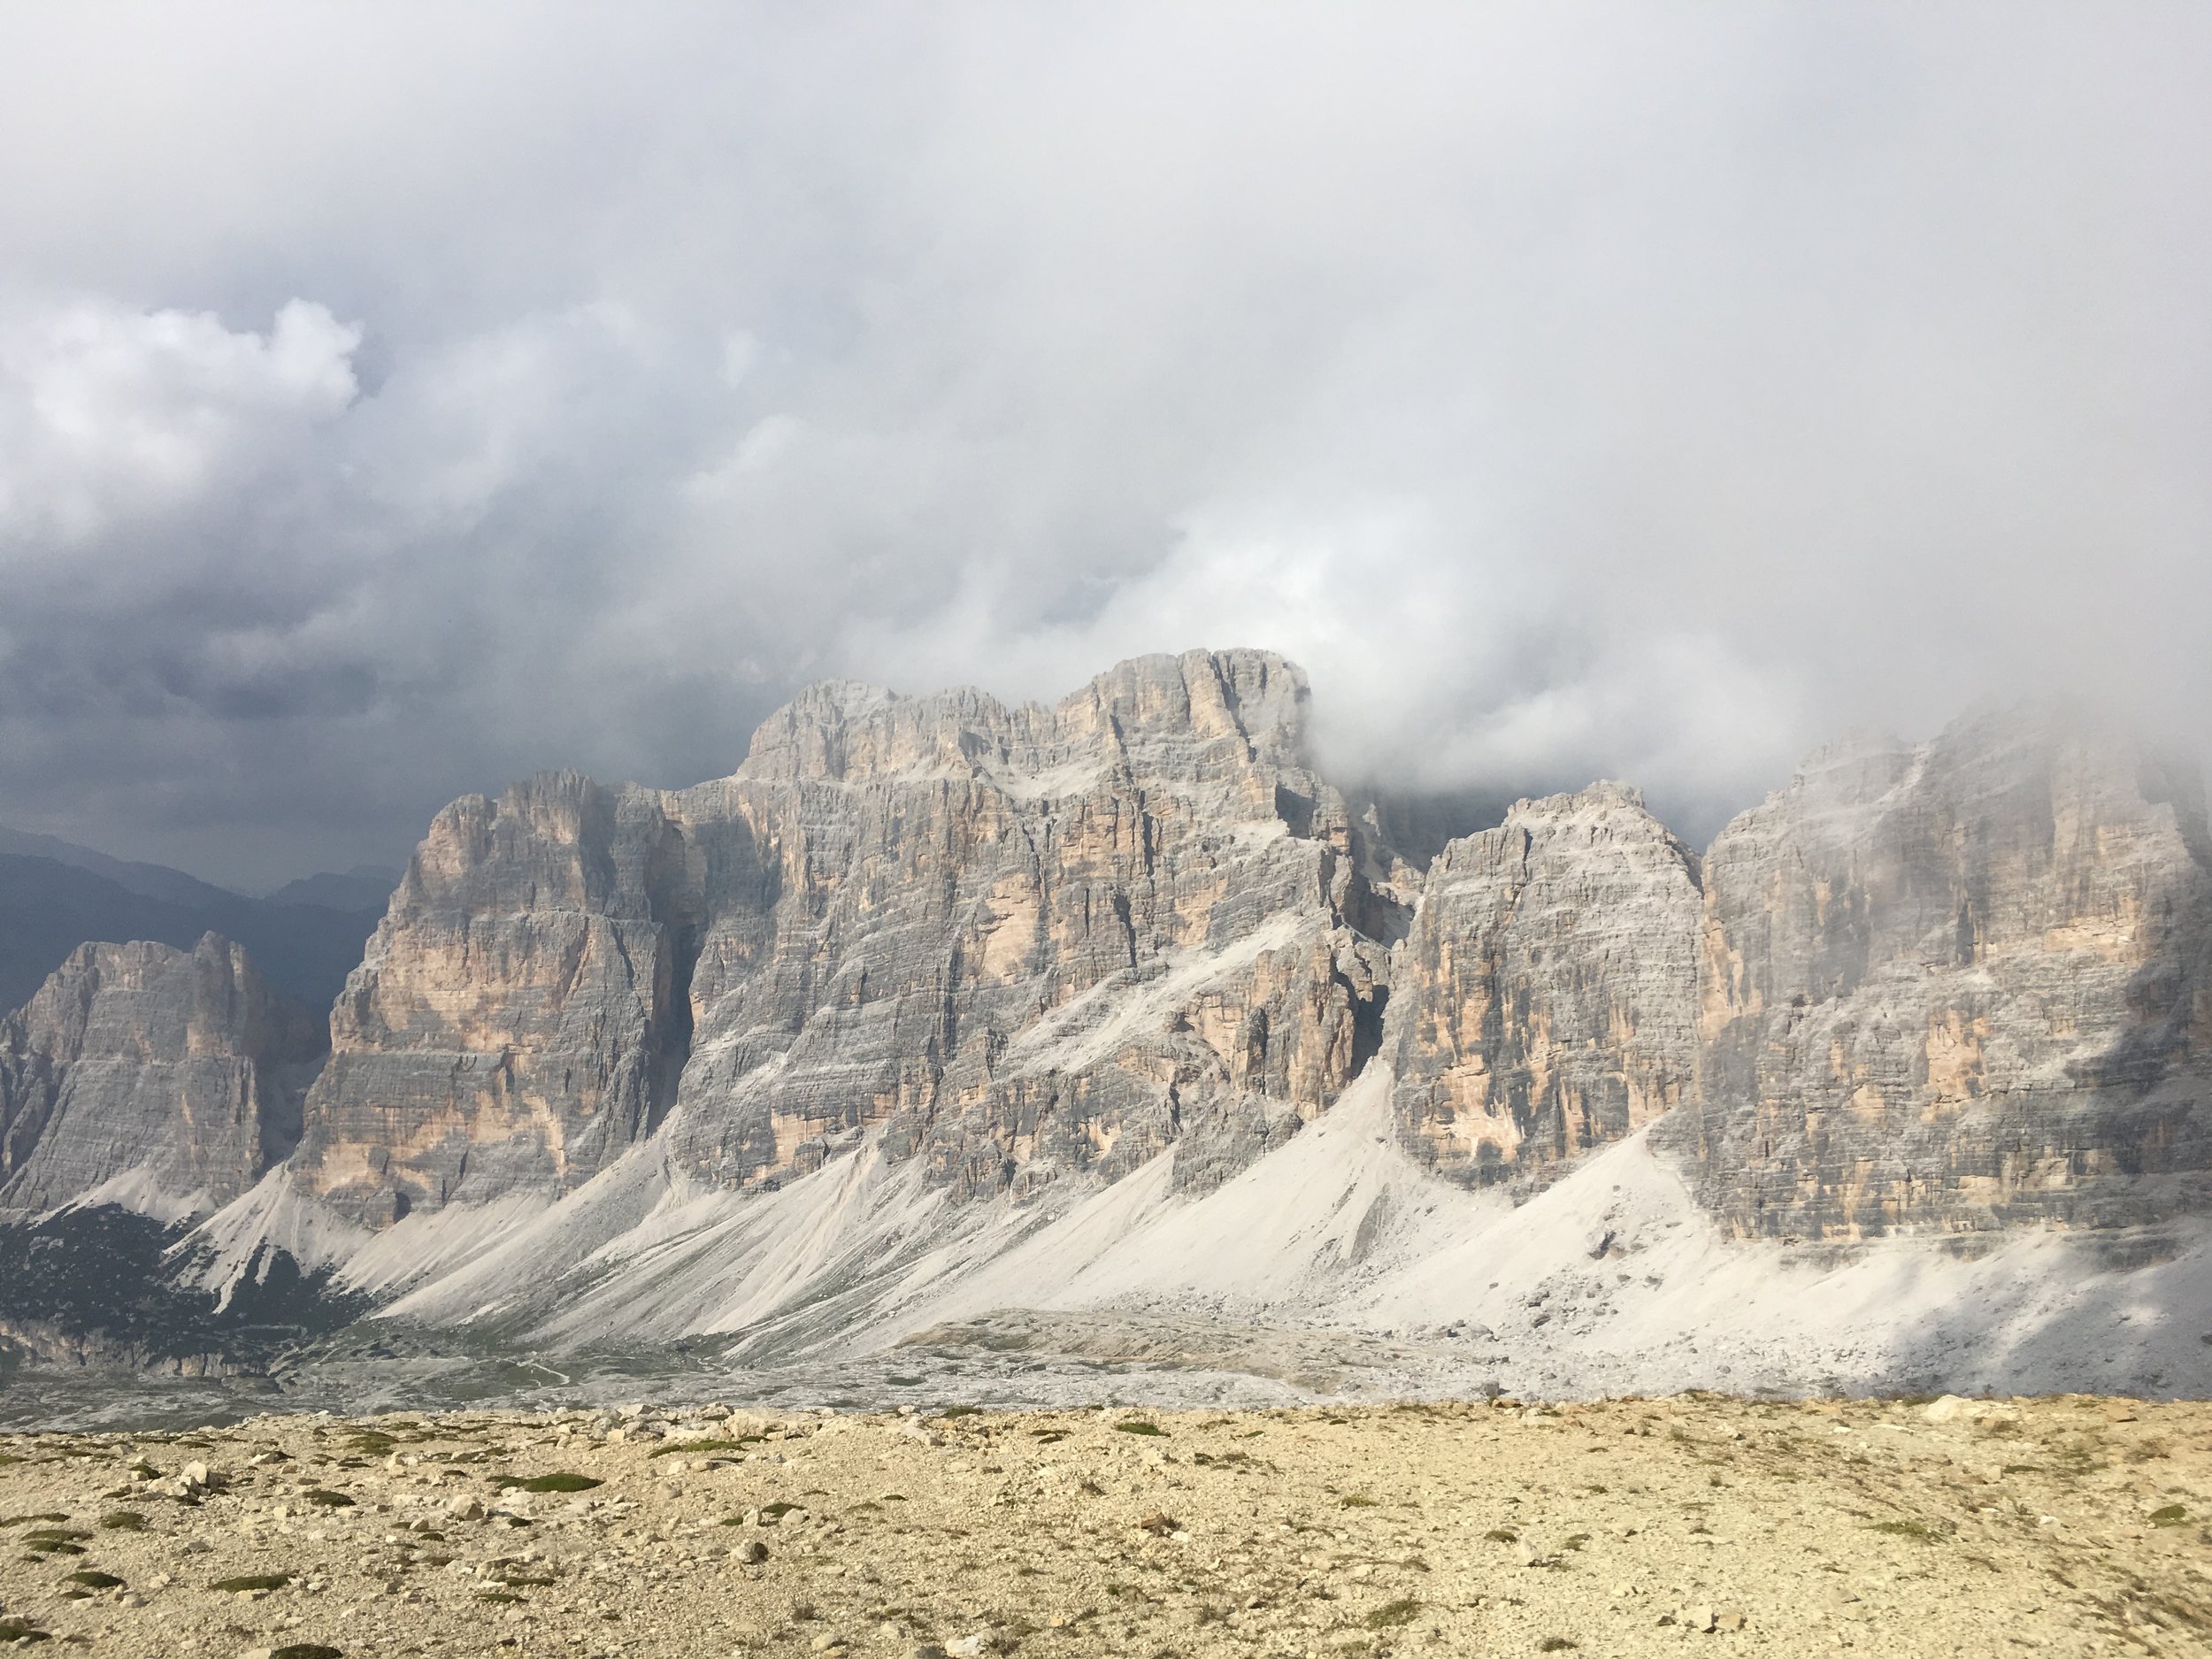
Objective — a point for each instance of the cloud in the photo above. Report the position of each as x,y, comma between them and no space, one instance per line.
111,417
1574,389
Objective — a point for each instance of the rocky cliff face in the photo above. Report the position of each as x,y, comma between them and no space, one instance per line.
1959,985
1544,1002
1014,942
175,1074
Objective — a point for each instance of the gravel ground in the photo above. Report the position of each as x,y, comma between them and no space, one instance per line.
2065,1525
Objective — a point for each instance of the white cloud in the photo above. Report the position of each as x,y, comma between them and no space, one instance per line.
1572,389
109,416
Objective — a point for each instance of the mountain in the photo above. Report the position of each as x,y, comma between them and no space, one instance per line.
1117,1015
168,1079
153,881
49,905
363,887
1015,945
1959,986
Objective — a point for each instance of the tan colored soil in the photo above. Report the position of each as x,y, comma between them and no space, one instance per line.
2065,1526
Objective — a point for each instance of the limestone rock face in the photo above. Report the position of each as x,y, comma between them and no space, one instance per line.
1959,985
176,1073
1545,1000
518,1015
1013,942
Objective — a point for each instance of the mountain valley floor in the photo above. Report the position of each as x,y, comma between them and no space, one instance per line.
1699,1524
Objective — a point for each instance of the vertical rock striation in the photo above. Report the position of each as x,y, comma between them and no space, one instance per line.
1014,942
517,1014
1960,985
175,1075
1545,1000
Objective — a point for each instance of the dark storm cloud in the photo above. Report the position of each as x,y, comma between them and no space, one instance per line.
393,401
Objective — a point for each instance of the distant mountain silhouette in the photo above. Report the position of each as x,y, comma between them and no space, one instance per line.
363,887
51,903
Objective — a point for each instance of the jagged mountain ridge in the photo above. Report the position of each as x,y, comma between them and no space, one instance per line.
1014,942
930,980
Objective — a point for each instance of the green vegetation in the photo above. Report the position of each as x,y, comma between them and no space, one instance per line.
323,1499
93,1580
251,1582
1353,1500
12,1630
1502,1536
2171,1514
1390,1615
124,1521
1555,1644
1137,1426
563,1481
739,1444
306,1650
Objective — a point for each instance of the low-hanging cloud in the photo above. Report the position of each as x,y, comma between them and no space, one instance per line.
396,401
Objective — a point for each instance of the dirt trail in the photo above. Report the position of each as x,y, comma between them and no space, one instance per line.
1687,1525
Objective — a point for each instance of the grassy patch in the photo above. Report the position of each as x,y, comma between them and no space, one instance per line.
124,1521
1137,1426
563,1481
12,1631
1575,1540
778,1510
498,1598
92,1580
739,1444
961,1411
2171,1514
1048,1437
1555,1644
323,1500
1502,1536
25,1520
249,1582
1390,1615
306,1650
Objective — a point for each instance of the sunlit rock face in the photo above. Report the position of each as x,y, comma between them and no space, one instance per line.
1545,1000
1013,942
170,1077
1960,985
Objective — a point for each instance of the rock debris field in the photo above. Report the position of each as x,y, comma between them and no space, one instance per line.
1688,1524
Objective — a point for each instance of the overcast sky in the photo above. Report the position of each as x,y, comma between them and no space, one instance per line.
397,400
